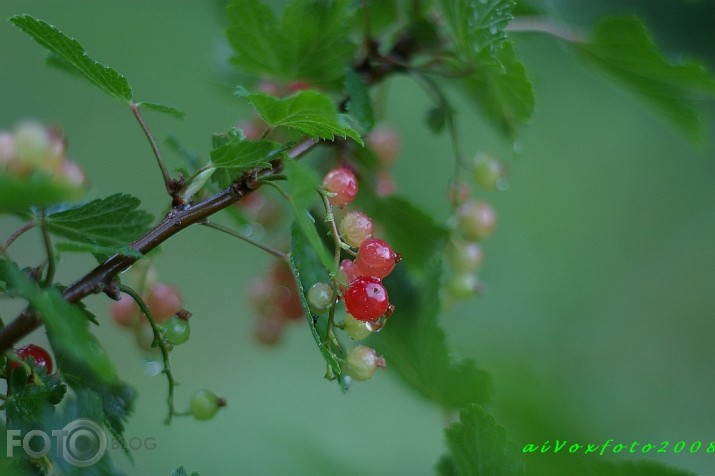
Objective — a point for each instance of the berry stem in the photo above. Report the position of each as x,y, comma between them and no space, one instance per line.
159,340
168,183
330,218
47,243
216,226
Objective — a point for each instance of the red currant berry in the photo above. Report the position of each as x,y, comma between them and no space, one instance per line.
488,171
366,299
465,257
476,220
163,301
375,258
39,356
343,183
320,296
386,144
362,361
347,267
355,228
204,404
125,312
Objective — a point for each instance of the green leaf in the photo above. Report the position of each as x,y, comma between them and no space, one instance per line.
437,118
477,26
501,90
66,324
303,185
308,270
310,112
383,15
172,111
359,104
478,447
311,42
18,195
74,56
111,222
241,154
30,400
623,48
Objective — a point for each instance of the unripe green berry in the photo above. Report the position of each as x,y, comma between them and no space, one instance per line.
475,220
320,296
362,361
356,329
204,404
464,257
462,286
488,171
177,331
355,228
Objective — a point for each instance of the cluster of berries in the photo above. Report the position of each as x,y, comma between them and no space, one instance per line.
474,221
35,150
165,305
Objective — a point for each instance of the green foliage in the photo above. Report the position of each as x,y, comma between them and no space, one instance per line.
17,195
478,447
172,111
67,326
309,44
303,186
623,48
359,104
309,112
30,399
105,225
308,270
74,57
240,154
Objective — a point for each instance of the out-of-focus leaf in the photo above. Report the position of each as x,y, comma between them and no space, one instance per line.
623,48
17,195
359,104
172,111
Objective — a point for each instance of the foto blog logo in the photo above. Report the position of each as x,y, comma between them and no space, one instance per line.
81,442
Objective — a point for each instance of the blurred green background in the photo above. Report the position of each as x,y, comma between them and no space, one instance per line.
599,317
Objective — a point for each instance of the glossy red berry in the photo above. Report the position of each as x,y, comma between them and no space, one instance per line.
366,299
343,184
347,267
375,258
41,357
355,228
476,220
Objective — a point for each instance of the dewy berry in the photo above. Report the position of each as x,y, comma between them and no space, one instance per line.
41,357
375,258
366,299
349,270
476,220
320,297
343,184
488,171
362,361
355,228
177,331
356,329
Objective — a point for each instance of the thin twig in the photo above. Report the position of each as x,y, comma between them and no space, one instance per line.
159,339
330,218
16,234
216,226
168,183
49,250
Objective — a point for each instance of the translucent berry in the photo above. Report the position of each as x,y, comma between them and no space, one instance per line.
320,296
386,186
343,183
465,257
36,356
386,144
355,228
7,148
476,220
356,329
125,312
462,286
163,301
362,361
488,171
205,404
375,258
347,267
177,331
366,299
286,292
269,329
